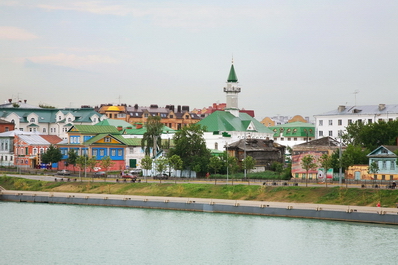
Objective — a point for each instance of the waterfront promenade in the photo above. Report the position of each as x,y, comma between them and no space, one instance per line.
381,215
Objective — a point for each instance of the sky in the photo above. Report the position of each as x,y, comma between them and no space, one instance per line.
291,57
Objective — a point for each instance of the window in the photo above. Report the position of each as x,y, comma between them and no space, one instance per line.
102,152
69,119
370,121
171,116
282,139
186,116
383,177
339,122
330,133
44,130
113,152
320,122
216,146
34,151
320,133
392,165
107,139
32,120
349,121
59,118
94,152
295,139
7,129
120,152
289,139
359,121
384,167
330,122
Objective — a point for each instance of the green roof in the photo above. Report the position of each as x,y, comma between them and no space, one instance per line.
222,121
114,122
142,130
93,129
232,75
300,129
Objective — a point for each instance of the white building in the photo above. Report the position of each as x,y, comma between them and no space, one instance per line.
332,122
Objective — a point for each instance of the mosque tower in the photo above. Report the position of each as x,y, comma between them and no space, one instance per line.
232,89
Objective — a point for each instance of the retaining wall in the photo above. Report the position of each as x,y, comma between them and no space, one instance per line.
343,213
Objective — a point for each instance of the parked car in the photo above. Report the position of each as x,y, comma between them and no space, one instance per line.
63,172
136,171
129,176
100,174
161,176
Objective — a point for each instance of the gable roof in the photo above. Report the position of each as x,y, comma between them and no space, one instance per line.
53,139
225,121
386,151
325,141
115,123
93,129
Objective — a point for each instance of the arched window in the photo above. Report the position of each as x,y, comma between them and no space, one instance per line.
32,119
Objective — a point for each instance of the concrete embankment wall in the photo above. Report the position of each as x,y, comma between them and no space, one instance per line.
343,213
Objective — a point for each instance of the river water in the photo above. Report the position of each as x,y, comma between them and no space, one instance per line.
70,234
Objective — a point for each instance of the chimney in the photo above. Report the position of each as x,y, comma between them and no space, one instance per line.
138,126
10,100
341,108
119,128
136,106
179,108
382,107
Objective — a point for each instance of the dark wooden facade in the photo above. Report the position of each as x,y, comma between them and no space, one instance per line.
265,152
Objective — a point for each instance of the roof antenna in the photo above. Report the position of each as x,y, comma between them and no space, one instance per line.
355,96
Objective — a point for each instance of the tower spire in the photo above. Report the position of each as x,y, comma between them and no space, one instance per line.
232,89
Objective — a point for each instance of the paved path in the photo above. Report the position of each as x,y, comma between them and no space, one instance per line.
271,204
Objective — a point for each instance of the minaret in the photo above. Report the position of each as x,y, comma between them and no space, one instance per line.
232,91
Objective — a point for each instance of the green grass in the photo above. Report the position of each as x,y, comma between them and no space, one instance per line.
321,195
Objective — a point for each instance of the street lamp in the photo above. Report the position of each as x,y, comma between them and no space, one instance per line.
226,147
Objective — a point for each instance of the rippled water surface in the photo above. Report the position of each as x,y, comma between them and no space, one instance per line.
68,234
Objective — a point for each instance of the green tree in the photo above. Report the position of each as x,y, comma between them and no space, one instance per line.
190,145
215,163
91,163
277,167
81,162
152,137
161,164
248,163
146,163
52,155
371,135
175,162
373,168
325,161
308,163
106,162
354,155
232,164
72,156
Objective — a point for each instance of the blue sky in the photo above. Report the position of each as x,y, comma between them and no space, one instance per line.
291,57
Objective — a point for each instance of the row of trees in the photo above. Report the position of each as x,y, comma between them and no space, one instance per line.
54,155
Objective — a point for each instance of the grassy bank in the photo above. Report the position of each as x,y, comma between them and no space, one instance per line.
323,195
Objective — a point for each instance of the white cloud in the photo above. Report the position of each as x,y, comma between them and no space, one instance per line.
13,33
89,6
71,60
